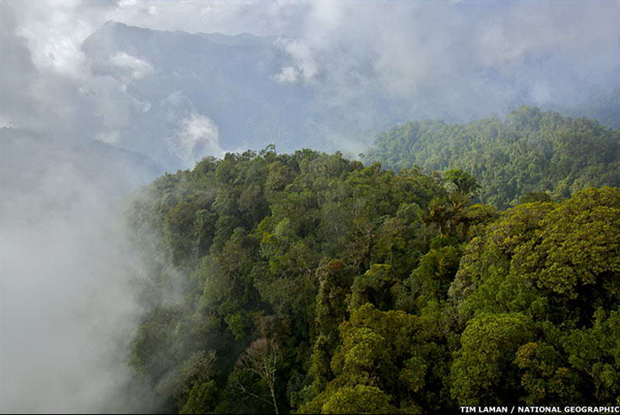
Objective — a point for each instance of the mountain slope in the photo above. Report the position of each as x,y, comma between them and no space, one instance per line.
200,94
529,151
308,283
189,95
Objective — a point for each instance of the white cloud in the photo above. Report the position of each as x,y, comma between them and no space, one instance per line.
196,138
348,49
66,307
136,68
108,137
288,75
306,67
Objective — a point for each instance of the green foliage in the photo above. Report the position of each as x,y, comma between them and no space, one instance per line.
527,155
431,279
201,399
577,244
374,287
462,181
482,373
388,355
360,399
309,283
594,352
555,265
543,377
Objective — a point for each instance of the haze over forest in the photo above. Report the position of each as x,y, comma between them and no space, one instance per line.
100,98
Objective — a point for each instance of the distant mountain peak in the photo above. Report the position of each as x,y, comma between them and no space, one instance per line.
215,37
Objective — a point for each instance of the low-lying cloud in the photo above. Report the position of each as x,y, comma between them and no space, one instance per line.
67,310
134,68
452,60
197,135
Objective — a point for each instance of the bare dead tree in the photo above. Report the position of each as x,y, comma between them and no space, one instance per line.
261,358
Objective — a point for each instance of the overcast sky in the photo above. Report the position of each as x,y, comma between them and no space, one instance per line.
451,57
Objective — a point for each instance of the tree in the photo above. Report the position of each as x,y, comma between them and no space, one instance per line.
538,290
374,287
376,358
518,159
375,291
261,358
360,399
484,372
462,181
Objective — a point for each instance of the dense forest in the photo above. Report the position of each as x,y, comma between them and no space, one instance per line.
310,283
529,151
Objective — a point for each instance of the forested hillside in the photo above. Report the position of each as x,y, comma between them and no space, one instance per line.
309,283
529,151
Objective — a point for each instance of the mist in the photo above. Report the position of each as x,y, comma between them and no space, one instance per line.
81,130
327,75
67,309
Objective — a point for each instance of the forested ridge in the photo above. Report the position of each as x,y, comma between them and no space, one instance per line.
310,283
528,151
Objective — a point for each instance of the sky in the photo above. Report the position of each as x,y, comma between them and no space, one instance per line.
443,59
66,309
